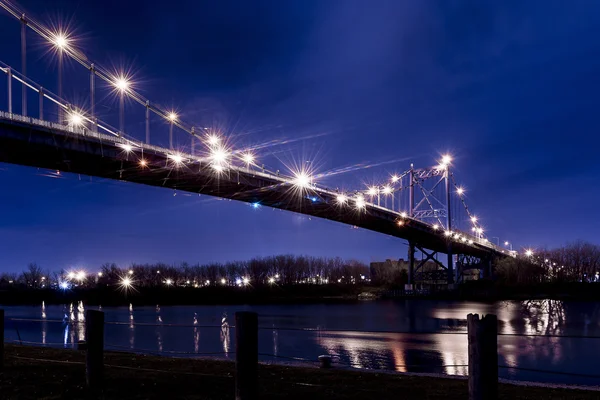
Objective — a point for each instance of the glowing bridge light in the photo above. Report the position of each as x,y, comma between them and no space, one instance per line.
177,158
61,41
219,155
302,180
218,167
435,227
213,140
143,163
403,214
480,230
387,190
470,241
255,205
460,191
473,219
506,243
448,233
75,118
127,147
172,116
359,202
122,84
395,178
400,222
446,160
248,158
372,191
341,199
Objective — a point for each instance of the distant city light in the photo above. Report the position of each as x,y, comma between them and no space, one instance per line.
223,281
245,281
71,275
528,252
143,162
271,280
435,227
255,205
80,275
130,272
63,285
126,283
168,282
400,222
100,274
506,243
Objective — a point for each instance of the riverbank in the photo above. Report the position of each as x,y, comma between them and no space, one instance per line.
34,373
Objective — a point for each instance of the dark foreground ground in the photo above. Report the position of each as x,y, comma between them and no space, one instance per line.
42,373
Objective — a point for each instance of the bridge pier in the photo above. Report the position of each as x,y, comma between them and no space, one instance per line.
411,263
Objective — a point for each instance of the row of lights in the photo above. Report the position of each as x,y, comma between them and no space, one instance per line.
219,155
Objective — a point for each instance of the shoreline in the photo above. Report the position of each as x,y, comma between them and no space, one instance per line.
43,372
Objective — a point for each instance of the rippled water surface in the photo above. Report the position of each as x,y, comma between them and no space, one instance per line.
361,335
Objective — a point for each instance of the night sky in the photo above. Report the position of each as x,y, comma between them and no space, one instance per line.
509,88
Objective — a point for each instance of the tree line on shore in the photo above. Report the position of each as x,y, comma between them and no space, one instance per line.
574,262
275,270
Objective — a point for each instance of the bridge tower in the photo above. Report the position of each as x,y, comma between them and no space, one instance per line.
433,187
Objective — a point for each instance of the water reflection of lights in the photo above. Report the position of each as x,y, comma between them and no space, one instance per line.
224,335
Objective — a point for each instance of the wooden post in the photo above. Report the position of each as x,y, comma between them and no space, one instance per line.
1,339
483,357
94,361
246,355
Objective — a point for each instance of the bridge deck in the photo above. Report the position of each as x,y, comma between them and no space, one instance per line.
41,144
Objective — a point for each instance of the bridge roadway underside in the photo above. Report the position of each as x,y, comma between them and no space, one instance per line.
36,146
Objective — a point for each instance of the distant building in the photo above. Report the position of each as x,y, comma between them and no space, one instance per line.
395,272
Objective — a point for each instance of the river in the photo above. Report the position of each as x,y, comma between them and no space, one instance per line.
359,335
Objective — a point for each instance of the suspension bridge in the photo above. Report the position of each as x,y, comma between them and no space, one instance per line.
424,206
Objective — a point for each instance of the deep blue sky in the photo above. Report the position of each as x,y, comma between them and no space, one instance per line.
510,88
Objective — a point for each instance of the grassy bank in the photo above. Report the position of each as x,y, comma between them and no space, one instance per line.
42,373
